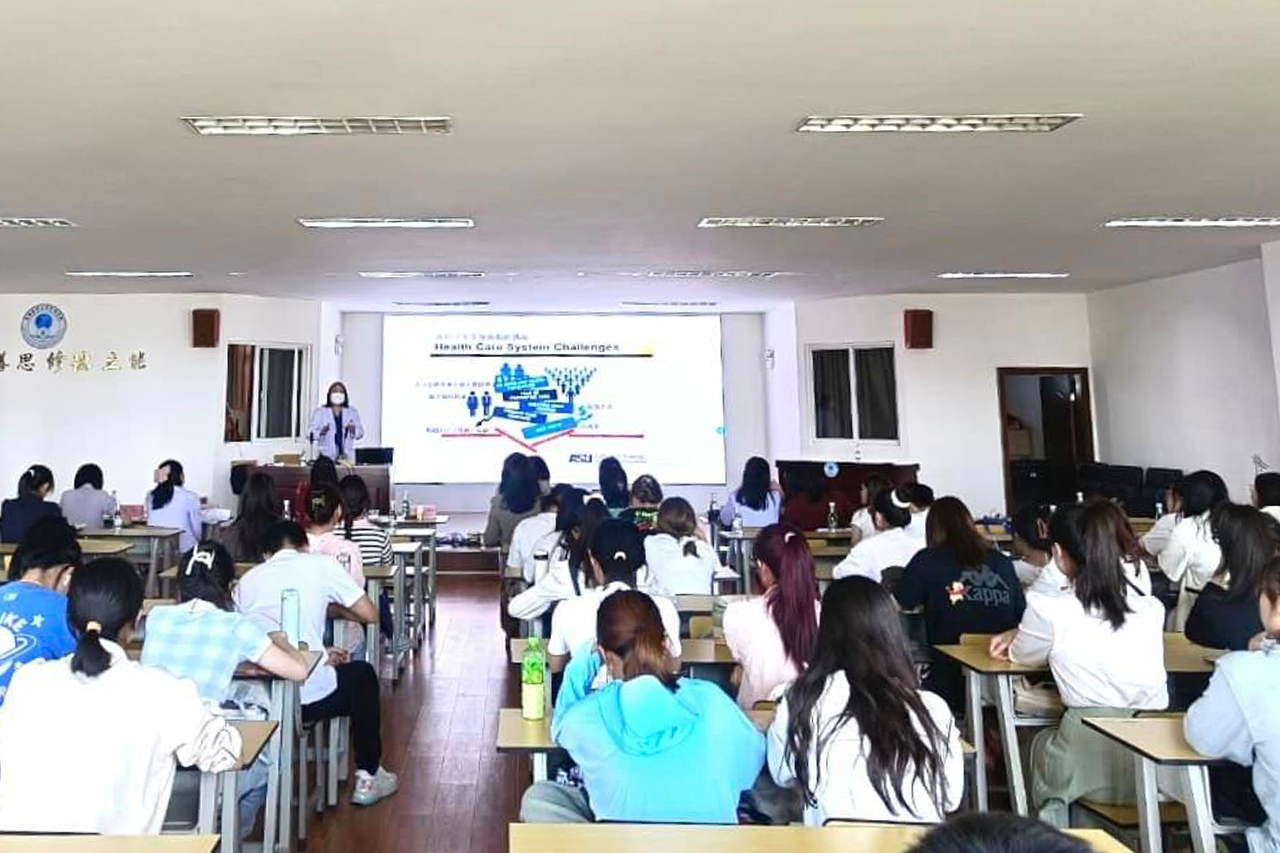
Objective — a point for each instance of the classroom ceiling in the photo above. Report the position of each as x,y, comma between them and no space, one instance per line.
592,137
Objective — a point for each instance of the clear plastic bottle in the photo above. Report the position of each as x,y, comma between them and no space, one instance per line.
833,523
117,518
533,681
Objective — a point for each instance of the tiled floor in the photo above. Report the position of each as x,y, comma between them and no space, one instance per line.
456,793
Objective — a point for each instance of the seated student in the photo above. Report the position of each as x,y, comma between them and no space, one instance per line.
997,832
204,639
772,636
516,499
1191,556
921,503
1266,493
855,733
615,555
757,501
1235,719
680,560
530,532
810,498
965,587
374,542
259,510
646,497
87,505
91,741
652,747
18,514
541,473
338,687
1030,544
33,605
324,511
1155,539
1105,647
323,471
615,490
1225,614
891,546
872,486
566,549
170,505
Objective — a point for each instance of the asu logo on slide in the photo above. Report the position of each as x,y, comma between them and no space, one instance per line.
43,326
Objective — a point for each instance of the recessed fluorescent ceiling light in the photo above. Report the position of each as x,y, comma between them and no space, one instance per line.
788,221
422,274
128,274
1002,123
671,304
689,274
439,304
382,222
1005,275
316,126
1196,222
34,222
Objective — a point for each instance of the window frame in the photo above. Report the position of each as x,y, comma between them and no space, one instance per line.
301,396
837,445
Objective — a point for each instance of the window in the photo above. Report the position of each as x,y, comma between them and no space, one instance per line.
264,391
855,393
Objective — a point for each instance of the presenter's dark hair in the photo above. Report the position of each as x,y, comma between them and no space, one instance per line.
163,492
997,832
519,484
89,475
345,393
323,470
756,479
205,574
33,479
103,598
285,534
619,549
613,483
1266,487
50,542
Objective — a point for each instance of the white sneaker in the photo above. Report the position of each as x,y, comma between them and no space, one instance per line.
371,789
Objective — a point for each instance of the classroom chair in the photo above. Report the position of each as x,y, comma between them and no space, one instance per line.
1122,821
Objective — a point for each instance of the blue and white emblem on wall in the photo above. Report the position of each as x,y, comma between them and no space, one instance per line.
43,326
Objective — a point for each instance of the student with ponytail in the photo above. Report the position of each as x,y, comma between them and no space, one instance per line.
18,514
614,558
680,560
171,505
855,733
324,518
1104,644
892,545
566,549
1191,556
772,636
104,732
652,747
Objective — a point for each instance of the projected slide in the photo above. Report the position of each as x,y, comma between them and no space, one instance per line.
460,393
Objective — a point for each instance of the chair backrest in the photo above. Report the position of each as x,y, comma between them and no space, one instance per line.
890,576
1162,478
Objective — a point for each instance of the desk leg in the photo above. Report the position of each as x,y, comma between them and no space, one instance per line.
373,631
206,819
398,618
431,581
973,681
289,738
1199,815
153,569
1148,806
230,830
539,766
419,597
1012,752
275,753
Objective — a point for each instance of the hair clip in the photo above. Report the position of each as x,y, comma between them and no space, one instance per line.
786,537
93,626
31,472
619,555
899,503
203,558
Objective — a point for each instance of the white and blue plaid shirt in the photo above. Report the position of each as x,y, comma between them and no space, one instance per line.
198,641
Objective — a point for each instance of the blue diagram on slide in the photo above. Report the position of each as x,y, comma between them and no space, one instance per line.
545,404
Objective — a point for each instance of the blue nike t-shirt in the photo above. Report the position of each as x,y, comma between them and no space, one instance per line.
33,626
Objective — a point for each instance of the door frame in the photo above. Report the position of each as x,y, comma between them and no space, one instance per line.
1090,449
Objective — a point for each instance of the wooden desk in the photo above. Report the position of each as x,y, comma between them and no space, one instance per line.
149,604
402,552
375,578
647,838
254,736
158,545
88,547
1159,742
426,530
108,843
704,605
1181,656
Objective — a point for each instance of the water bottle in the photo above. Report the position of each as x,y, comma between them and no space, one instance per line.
713,511
117,518
533,681
290,616
1159,510
737,524
288,510
832,522
541,564
1079,497
404,505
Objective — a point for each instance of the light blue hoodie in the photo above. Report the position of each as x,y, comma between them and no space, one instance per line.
651,755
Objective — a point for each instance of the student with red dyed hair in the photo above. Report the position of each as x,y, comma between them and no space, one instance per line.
772,637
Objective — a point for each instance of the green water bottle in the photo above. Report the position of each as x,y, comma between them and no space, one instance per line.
533,681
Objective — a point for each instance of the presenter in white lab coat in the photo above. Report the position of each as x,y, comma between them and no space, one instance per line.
335,426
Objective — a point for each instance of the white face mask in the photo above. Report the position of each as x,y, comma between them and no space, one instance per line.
337,398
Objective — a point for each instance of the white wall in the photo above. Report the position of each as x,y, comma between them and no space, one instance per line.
950,420
1185,374
746,430
782,388
129,421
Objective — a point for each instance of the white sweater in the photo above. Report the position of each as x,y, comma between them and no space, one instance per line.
99,754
